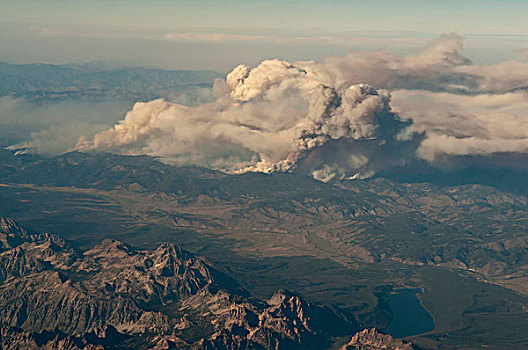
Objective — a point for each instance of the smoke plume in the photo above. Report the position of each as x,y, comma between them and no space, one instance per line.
337,118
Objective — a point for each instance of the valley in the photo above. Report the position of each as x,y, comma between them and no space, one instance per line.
346,244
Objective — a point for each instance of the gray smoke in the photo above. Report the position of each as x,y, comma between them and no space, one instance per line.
337,118
266,120
54,127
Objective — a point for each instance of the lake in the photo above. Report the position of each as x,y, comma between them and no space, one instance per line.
409,316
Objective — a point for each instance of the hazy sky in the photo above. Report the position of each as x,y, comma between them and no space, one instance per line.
217,35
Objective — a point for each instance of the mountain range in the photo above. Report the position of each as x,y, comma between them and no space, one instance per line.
281,245
116,296
45,82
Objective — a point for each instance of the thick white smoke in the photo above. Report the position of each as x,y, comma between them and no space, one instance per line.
267,118
336,119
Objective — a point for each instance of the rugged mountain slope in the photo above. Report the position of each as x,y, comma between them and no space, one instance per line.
107,171
55,296
380,232
471,227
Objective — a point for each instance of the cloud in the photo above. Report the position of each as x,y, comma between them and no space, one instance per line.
330,39
497,78
289,38
51,32
460,125
216,37
337,118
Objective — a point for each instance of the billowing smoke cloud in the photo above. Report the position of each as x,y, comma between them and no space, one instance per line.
336,119
267,119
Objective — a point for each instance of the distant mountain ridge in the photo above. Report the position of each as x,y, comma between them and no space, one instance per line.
49,81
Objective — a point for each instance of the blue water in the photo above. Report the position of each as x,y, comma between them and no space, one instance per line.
409,316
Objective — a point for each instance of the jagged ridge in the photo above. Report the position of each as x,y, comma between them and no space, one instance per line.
147,298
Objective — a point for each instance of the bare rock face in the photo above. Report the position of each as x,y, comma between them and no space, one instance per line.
53,296
286,321
371,339
13,235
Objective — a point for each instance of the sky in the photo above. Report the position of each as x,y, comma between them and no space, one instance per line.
218,35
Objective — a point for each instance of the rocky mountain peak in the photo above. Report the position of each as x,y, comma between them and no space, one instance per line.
114,294
281,296
372,339
171,251
111,247
9,226
13,235
110,253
